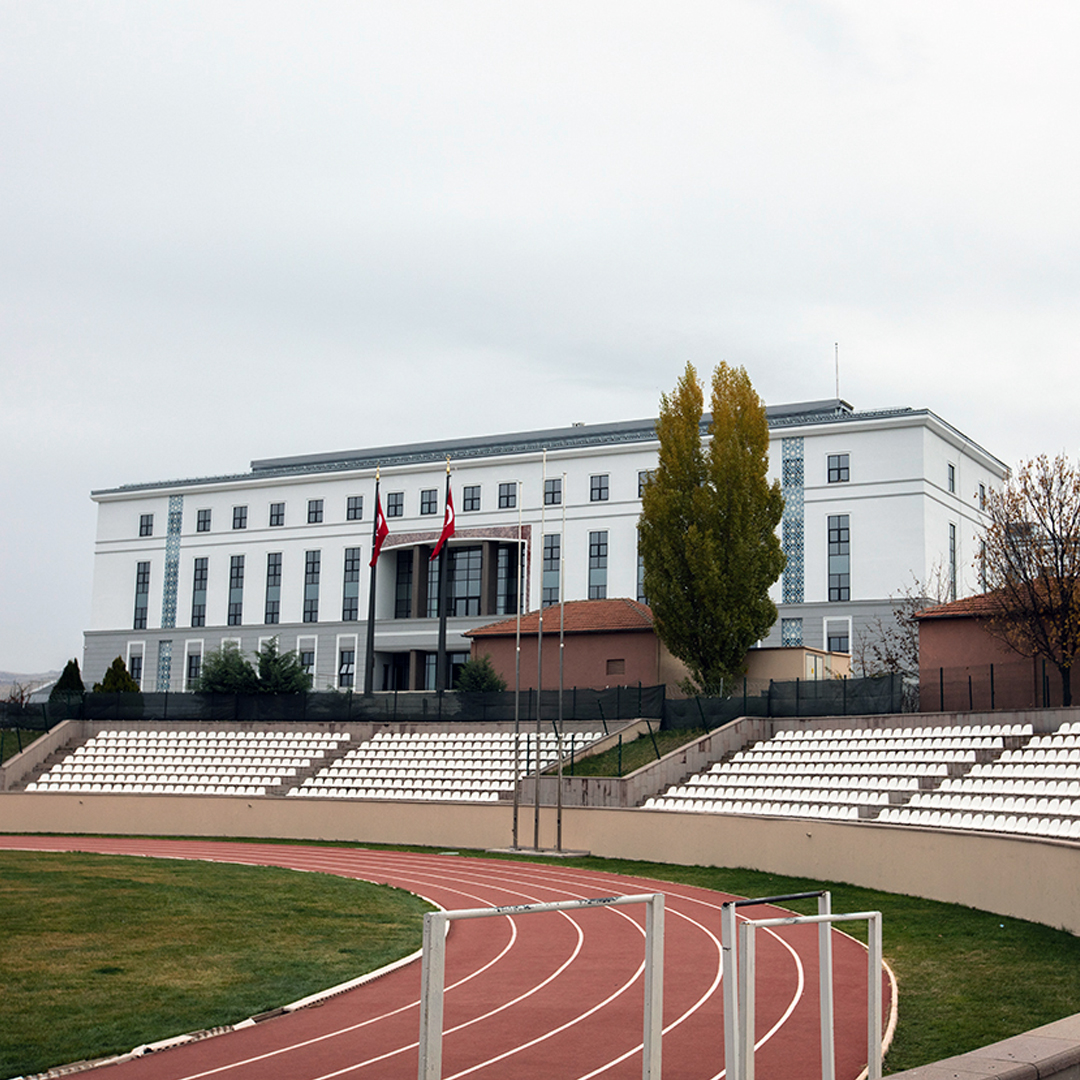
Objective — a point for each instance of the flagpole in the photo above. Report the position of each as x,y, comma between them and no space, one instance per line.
369,651
517,675
562,647
440,657
539,660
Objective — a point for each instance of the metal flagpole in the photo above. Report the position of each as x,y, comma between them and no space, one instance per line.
517,674
369,651
562,646
539,662
440,656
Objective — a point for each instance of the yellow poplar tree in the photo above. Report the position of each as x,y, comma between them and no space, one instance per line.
707,533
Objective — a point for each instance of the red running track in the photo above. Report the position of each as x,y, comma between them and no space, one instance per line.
552,996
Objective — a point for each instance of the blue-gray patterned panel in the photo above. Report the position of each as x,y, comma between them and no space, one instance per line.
791,632
793,582
172,561
164,666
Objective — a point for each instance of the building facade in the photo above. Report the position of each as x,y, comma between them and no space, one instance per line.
872,499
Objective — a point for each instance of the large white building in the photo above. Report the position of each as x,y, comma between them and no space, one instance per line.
872,499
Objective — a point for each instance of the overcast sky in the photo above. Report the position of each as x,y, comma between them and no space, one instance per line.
242,230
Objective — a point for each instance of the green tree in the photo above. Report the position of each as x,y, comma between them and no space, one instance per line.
227,671
280,672
69,684
117,680
707,533
479,675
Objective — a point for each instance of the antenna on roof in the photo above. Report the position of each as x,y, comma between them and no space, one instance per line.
836,354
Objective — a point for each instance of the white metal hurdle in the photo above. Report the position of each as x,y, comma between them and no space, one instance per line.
739,971
433,967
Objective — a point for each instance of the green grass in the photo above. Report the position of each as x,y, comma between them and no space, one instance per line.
102,953
10,739
635,754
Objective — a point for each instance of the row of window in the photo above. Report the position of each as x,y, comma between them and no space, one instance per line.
354,511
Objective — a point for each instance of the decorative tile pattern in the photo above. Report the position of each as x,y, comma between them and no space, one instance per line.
791,632
164,666
793,590
172,561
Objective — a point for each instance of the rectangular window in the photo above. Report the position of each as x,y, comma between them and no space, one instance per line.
553,492
839,557
314,511
236,590
239,517
615,667
643,477
198,593
395,504
307,661
982,496
312,560
277,514
202,521
403,585
507,584
429,501
508,496
354,508
463,581
839,468
951,477
146,524
135,667
272,615
346,669
598,565
350,602
550,579
142,594
952,561
839,643
470,498
598,488
194,666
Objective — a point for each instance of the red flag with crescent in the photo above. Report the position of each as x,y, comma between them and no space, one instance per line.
448,522
382,530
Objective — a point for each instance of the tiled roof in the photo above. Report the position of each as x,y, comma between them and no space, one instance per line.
970,607
578,616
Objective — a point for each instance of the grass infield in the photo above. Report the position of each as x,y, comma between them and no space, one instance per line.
99,954
966,978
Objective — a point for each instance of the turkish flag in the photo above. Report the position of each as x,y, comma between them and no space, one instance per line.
382,531
448,523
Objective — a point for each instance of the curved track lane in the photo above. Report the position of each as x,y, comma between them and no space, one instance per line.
545,996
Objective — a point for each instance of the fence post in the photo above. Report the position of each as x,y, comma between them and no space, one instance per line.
744,695
971,697
797,713
768,707
941,686
844,694
991,687
620,753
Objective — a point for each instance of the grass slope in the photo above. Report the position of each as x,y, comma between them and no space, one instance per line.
102,953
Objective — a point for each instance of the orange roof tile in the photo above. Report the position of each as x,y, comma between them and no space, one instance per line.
970,607
579,617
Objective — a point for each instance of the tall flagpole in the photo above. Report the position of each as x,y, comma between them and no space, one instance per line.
517,674
440,657
562,650
539,662
369,652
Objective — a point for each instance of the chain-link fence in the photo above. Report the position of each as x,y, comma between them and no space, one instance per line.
1020,684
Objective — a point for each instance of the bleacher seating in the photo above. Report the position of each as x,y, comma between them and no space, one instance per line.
168,762
460,766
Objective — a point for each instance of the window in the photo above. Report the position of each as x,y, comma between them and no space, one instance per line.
791,633
236,590
429,501
202,521
312,560
507,580
982,496
839,643
403,585
395,504
239,517
598,488
307,661
146,524
314,511
354,508
598,565
615,667
951,477
553,492
194,666
508,496
550,580
470,498
142,594
198,593
135,667
643,477
463,581
272,615
952,561
839,468
839,557
277,514
350,601
346,669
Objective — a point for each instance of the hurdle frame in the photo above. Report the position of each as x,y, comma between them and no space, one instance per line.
740,968
433,971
